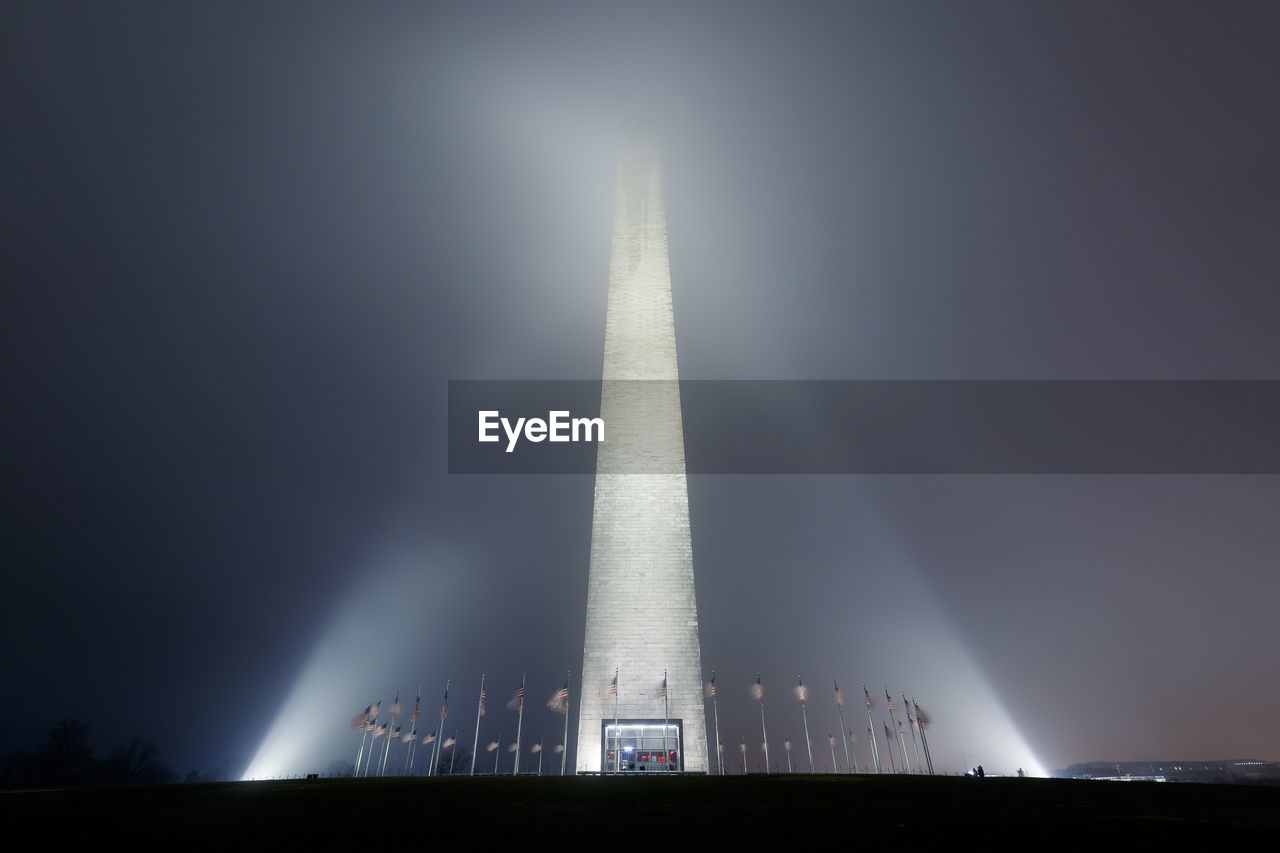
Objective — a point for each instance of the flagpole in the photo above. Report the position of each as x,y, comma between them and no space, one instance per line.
360,753
413,731
539,756
444,705
902,744
840,710
369,759
715,713
923,739
497,753
763,734
564,753
475,743
617,731
906,707
888,739
666,748
364,733
368,762
386,750
871,732
706,736
391,725
453,756
519,723
804,714
391,731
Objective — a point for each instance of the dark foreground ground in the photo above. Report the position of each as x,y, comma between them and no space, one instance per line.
645,812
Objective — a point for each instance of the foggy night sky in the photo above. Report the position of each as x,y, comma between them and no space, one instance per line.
246,246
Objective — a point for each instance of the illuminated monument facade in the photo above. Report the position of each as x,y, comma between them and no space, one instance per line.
641,708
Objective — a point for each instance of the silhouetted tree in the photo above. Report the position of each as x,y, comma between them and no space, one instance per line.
137,763
461,764
64,756
17,770
340,769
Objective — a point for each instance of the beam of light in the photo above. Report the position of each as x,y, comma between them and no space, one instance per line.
968,723
350,663
977,728
899,636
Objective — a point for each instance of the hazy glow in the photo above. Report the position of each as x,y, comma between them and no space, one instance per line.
345,668
969,722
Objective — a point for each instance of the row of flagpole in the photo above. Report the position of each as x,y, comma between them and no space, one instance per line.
366,722
917,721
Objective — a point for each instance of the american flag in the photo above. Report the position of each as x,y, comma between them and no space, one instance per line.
801,691
395,735
377,706
431,738
517,699
417,708
893,706
493,744
537,747
444,706
839,696
362,719
662,691
559,748
513,746
831,739
757,690
559,701
786,741
852,737
482,701
409,735
371,726
613,686
395,705
380,731
448,742
709,689
871,703
742,746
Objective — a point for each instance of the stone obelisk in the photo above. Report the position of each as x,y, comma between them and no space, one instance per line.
642,619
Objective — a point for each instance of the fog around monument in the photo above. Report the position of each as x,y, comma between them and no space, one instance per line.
250,246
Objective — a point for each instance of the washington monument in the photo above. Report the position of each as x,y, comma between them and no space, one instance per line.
641,708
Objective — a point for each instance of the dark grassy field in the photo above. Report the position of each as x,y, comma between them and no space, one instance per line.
633,812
